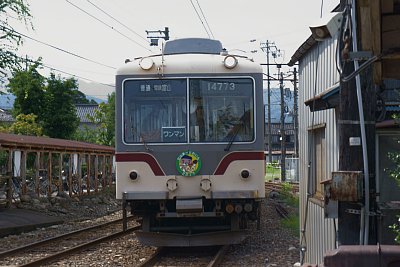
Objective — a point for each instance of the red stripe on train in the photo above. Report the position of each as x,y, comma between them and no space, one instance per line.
228,159
141,157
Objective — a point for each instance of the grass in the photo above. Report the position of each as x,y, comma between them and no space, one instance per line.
293,224
292,201
272,172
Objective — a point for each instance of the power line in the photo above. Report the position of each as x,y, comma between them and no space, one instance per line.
28,60
202,23
74,75
109,26
118,21
57,48
205,19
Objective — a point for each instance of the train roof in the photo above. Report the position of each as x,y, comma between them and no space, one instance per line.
193,46
190,55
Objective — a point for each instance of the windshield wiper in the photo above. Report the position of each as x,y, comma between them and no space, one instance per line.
145,143
236,128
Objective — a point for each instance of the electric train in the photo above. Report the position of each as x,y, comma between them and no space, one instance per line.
189,143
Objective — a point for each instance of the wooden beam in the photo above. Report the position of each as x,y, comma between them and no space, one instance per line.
375,9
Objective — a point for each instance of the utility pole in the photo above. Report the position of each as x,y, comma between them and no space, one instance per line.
355,112
295,114
283,135
269,47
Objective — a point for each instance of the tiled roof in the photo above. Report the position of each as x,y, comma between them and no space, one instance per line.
83,110
5,116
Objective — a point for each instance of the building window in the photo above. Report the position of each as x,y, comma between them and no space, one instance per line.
318,161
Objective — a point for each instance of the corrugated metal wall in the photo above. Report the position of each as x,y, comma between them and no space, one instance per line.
317,72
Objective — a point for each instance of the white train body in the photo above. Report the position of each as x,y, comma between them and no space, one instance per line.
189,143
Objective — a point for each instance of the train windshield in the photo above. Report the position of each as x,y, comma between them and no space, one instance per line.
211,110
155,111
221,110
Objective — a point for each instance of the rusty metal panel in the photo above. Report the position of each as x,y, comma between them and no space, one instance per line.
366,256
344,186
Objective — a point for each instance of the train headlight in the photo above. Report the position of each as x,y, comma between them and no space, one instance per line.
229,208
245,174
172,184
133,175
146,63
230,62
248,207
238,208
205,184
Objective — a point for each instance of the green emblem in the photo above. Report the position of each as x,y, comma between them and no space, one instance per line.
188,163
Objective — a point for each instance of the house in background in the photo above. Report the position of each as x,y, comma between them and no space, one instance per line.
6,118
347,196
275,99
84,111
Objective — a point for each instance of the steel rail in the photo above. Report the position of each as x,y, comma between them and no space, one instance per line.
281,210
52,239
154,258
78,248
219,256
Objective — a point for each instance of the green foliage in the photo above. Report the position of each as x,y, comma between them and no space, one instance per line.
396,229
273,171
80,98
104,117
86,134
292,223
10,40
59,120
28,88
26,125
286,195
395,173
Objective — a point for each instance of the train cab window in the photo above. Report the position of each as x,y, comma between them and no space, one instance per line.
154,111
221,110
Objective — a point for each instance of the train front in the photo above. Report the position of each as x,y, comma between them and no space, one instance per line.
189,144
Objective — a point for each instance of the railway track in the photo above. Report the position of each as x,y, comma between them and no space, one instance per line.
271,186
51,249
283,213
201,256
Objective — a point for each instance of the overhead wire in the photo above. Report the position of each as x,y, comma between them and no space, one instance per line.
205,19
201,20
74,75
58,48
119,22
64,72
107,25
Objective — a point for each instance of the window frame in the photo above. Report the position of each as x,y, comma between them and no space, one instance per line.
254,113
318,154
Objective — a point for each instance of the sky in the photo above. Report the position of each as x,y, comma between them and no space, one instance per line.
106,32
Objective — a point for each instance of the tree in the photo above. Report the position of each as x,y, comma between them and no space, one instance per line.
59,118
9,39
28,88
104,117
80,98
26,125
395,174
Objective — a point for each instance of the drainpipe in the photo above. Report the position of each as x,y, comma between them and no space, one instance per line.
362,127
